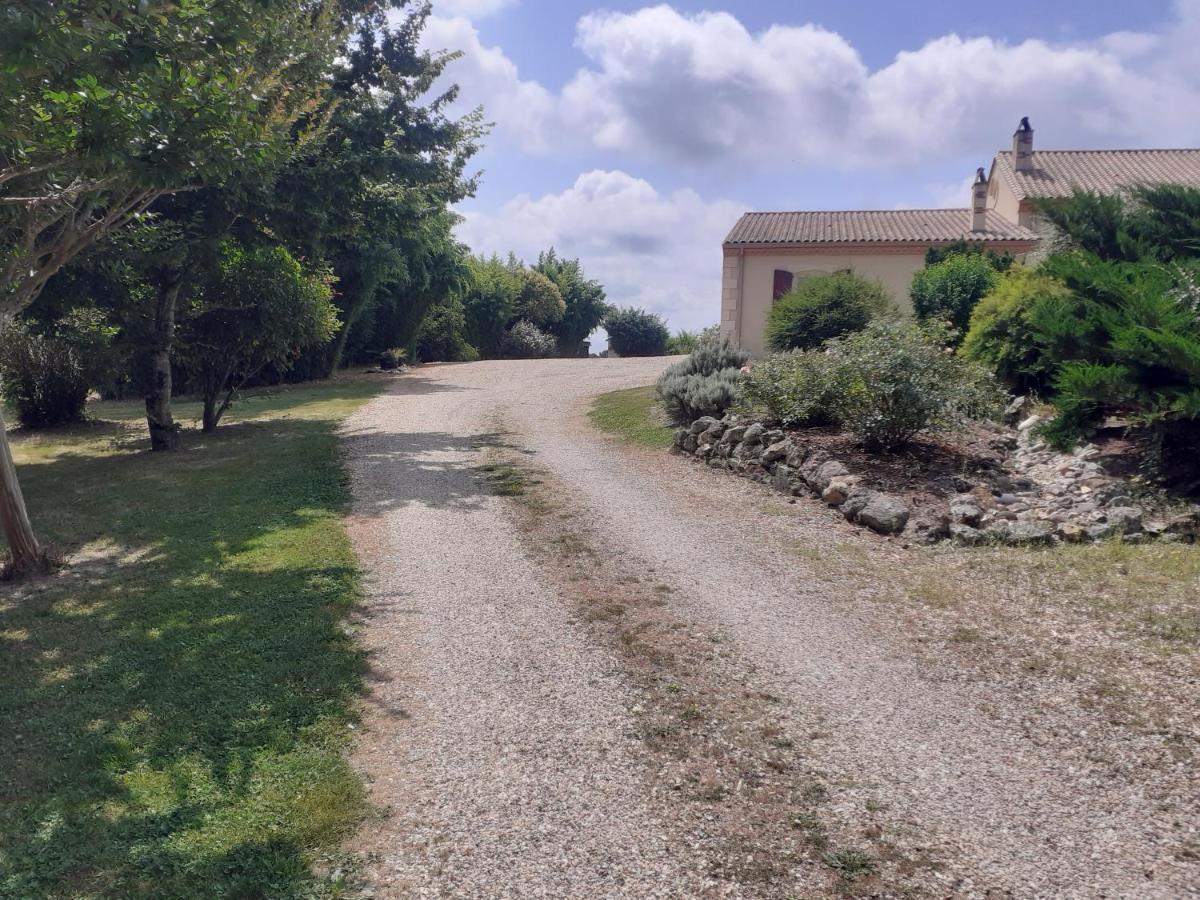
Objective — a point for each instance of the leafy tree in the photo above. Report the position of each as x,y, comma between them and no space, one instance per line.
443,334
259,308
538,299
949,290
1001,262
583,298
489,299
824,307
635,332
106,107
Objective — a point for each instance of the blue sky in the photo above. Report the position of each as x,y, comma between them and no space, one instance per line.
633,135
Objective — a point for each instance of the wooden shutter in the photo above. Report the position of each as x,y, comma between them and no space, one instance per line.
783,282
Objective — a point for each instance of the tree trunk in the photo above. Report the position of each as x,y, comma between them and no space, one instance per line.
18,531
212,415
339,348
164,433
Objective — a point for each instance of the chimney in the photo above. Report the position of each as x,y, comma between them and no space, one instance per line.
979,199
1023,146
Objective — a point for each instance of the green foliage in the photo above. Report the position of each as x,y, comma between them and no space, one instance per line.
583,300
1001,262
538,299
259,308
824,307
949,290
392,359
489,297
798,389
1156,221
682,342
193,742
901,379
44,379
635,332
526,341
442,337
706,383
1002,335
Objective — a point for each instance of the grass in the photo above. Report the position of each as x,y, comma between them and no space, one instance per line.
176,703
634,415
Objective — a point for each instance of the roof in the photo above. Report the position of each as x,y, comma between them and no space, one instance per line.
887,226
1056,173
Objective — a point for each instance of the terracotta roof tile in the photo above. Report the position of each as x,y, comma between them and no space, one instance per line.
1056,173
922,226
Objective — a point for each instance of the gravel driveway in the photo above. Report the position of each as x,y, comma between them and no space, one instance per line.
501,736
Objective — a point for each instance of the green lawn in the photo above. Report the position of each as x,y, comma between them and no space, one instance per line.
175,705
633,415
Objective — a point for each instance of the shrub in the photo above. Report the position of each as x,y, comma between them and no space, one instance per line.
43,378
635,332
1002,335
442,335
897,380
526,341
798,389
688,397
393,358
948,291
682,343
707,383
538,298
824,307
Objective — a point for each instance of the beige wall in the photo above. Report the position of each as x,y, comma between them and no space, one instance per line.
1004,201
895,270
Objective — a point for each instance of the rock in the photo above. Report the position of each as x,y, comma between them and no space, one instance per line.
772,437
1172,538
966,535
797,456
705,450
712,435
733,435
1099,531
678,436
1124,519
1119,500
856,502
753,434
717,462
966,511
776,452
703,424
839,489
961,485
1015,411
884,514
1071,532
754,470
1007,500
818,476
928,527
1186,524
1028,423
689,443
1026,534
782,479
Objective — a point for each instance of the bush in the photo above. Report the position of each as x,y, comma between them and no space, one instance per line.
824,307
44,379
897,380
442,335
1002,334
526,341
538,298
682,343
707,383
393,358
688,397
797,389
948,291
635,332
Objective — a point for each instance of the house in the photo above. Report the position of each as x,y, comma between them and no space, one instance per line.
766,253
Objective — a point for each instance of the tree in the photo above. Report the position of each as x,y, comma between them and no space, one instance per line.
259,308
489,297
106,107
583,298
824,307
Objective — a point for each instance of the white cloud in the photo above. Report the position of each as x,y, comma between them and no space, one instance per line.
653,250
703,89
471,9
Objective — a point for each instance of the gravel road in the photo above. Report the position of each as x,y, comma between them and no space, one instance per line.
500,735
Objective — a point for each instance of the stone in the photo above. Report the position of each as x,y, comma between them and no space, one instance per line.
1026,534
1071,532
733,435
754,470
1007,500
1120,500
1172,538
856,502
1136,537
1099,531
928,527
884,514
1016,410
961,485
703,424
717,462
1187,524
819,476
753,434
797,456
839,489
773,436
776,452
746,450
782,479
966,535
1028,423
689,443
705,450
966,511
1124,519
712,435
678,436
